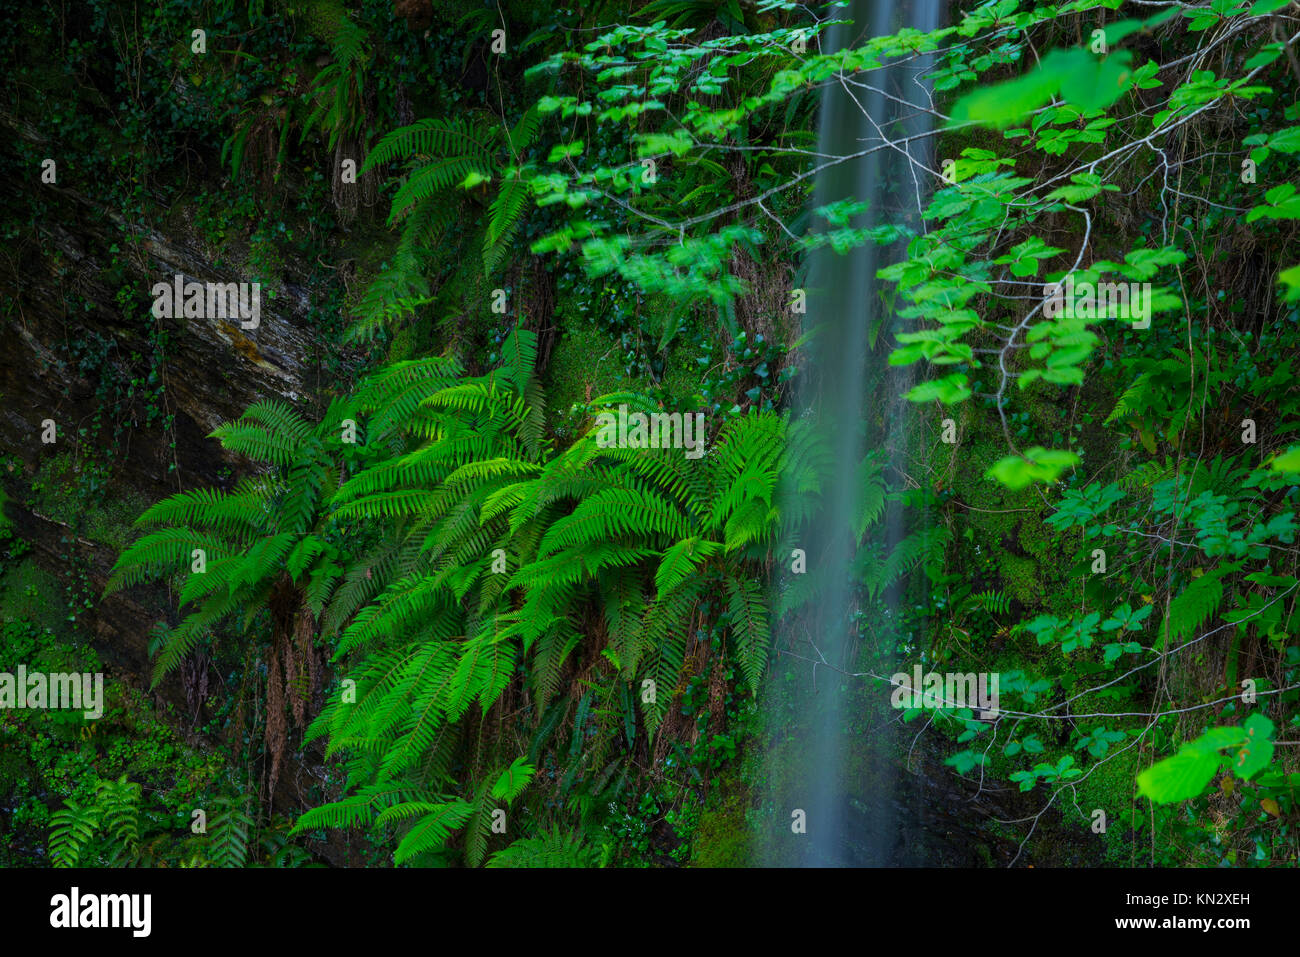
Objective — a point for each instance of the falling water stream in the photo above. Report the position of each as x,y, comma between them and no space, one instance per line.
854,400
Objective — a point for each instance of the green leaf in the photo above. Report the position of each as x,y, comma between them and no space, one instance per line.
433,829
1183,776
1257,752
1288,461
1093,84
1036,465
1082,79
1291,277
1186,774
513,780
1003,104
1286,141
948,390
1283,204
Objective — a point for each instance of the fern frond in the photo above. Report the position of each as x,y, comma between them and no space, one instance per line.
74,827
432,829
359,808
613,513
349,41
513,780
267,431
432,178
160,553
554,848
211,509
228,835
524,132
1196,604
680,560
433,138
180,641
749,621
505,215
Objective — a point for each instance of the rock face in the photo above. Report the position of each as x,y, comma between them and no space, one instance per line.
79,329
212,369
939,818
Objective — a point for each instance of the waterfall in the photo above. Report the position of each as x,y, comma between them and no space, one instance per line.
853,401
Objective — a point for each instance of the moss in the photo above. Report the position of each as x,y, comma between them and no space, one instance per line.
1110,786
59,493
587,362
403,346
266,263
112,523
322,17
681,376
28,593
722,837
1020,576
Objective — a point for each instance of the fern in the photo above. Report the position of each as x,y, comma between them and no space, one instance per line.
1196,604
749,616
432,829
109,827
993,602
431,633
434,138
504,218
513,780
73,830
554,848
339,88
362,807
446,154
228,833
681,559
